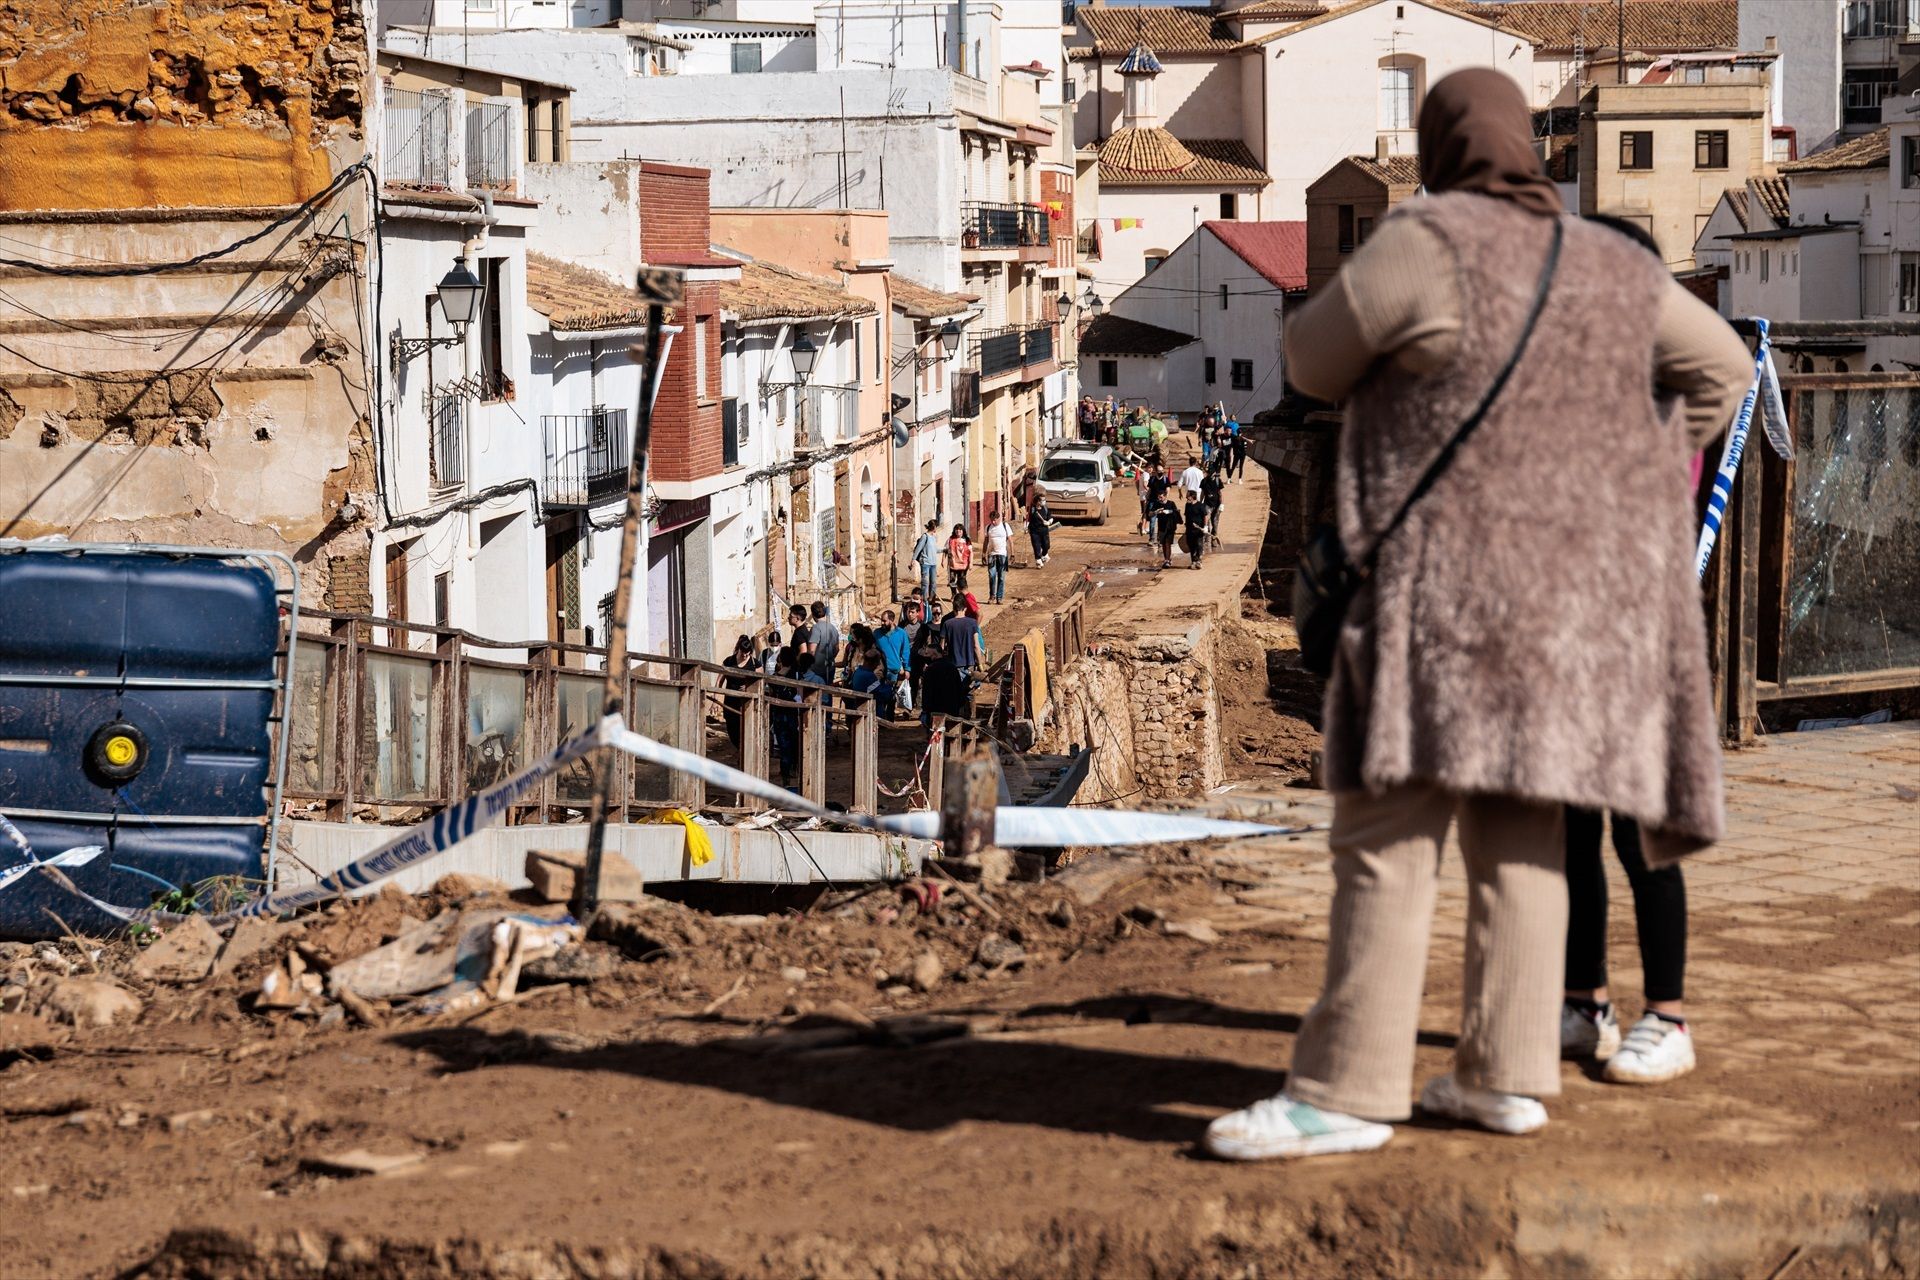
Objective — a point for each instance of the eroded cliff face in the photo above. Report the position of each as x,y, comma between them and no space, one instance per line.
111,104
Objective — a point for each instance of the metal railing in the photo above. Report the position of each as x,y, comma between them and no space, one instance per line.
447,432
391,718
1087,240
999,351
1814,589
586,457
491,127
987,225
416,141
963,396
1038,348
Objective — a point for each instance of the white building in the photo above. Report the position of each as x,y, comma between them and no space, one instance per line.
1203,327
1840,60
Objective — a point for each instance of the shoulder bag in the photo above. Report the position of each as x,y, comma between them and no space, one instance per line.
1326,580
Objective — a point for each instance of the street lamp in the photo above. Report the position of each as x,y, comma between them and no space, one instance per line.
1063,305
459,294
950,338
1092,302
803,354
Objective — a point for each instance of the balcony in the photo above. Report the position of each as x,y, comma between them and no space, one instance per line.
985,225
1039,346
964,396
586,457
447,435
417,150
1012,349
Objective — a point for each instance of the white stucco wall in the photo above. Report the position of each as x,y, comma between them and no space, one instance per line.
1810,54
709,51
1812,277
1169,218
590,214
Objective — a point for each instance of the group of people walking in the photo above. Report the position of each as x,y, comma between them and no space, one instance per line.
1184,508
958,554
1525,652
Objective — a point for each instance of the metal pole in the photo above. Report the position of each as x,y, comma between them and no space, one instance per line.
660,287
1620,41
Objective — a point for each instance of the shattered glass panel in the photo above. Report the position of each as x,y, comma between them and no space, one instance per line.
398,754
1853,591
496,743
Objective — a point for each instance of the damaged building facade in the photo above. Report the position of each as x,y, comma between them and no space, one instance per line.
182,278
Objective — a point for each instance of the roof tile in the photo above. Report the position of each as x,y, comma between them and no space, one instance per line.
1868,151
766,291
577,298
1277,250
922,302
1111,335
1663,26
1149,161
1164,28
1776,199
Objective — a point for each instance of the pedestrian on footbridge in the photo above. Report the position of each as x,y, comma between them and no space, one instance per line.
1523,391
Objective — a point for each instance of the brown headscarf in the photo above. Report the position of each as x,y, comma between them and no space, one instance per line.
1476,134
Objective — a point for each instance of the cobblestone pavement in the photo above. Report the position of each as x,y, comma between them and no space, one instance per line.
1819,825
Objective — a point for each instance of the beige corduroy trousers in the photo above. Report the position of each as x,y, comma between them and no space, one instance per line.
1355,1049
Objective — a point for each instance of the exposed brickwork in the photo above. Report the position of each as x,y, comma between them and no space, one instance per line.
676,226
676,221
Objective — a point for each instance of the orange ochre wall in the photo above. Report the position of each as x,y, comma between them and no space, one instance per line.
109,105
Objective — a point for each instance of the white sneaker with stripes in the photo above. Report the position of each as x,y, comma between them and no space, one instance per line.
1654,1052
1281,1128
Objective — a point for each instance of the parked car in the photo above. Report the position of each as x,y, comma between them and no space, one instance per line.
1078,481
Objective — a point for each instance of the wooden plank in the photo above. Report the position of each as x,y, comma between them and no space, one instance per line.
1743,710
1889,681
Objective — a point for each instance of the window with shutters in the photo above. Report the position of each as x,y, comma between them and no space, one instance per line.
1636,149
1710,149
1243,375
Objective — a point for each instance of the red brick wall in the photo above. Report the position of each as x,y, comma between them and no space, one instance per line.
1055,186
686,432
676,222
676,226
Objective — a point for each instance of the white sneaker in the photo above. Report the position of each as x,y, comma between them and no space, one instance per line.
1281,1127
1588,1035
1500,1112
1654,1051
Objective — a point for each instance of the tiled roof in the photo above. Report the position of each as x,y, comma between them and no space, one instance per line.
1776,199
924,303
1868,151
766,292
1279,10
1397,170
1277,250
1664,26
1111,335
577,298
1166,28
1140,61
1151,150
1737,201
1217,162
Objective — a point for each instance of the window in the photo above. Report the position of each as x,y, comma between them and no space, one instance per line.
1910,160
1694,73
441,589
1396,97
1155,259
1362,228
1242,375
1109,373
1861,90
1636,150
1346,228
1223,297
879,352
1909,300
1229,206
746,58
1766,264
700,358
1212,374
494,383
855,327
1710,149
730,432
397,583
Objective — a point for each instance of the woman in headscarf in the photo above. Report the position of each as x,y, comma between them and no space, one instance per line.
1532,634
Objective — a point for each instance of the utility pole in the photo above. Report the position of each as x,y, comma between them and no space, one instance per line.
660,288
1619,41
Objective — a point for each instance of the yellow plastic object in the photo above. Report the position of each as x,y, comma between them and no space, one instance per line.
699,845
121,750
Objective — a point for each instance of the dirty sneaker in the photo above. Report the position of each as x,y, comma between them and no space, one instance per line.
1656,1050
1500,1112
1589,1031
1281,1127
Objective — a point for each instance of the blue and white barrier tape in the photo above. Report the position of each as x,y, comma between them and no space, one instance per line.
1764,395
1014,826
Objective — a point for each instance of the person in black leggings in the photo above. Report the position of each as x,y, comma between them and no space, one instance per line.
1660,1045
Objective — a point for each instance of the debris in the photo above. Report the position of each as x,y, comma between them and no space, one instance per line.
88,1120
556,873
31,1190
967,891
1882,716
249,938
996,953
993,865
926,972
720,1001
587,962
1060,914
184,953
357,1005
182,1121
793,974
1142,914
456,885
648,929
360,1162
83,1002
332,1017
1198,930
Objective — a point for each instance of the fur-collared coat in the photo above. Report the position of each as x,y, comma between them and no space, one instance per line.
1535,628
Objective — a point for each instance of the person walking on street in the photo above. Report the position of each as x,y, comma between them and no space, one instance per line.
1195,517
1190,479
1236,448
1212,490
1040,529
1524,364
1158,482
824,641
1660,1046
1166,527
926,557
961,636
998,538
1142,475
895,648
870,677
732,705
959,560
927,646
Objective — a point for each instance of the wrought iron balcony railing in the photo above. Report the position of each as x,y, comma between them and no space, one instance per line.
586,457
986,225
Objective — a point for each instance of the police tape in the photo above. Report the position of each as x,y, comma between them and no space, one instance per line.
1762,396
1019,826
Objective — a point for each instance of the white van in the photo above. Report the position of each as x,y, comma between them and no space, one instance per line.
1078,481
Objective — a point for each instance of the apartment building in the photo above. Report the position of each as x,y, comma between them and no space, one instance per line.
1663,151
1840,59
1346,203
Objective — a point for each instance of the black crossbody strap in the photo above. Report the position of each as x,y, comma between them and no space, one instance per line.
1445,457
